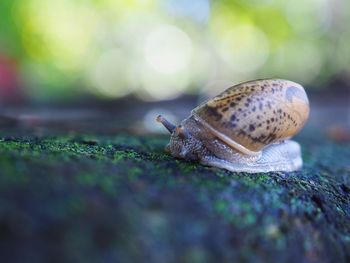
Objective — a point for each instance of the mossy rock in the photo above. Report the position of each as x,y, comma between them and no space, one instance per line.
120,198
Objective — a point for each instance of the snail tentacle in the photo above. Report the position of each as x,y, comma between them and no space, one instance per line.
168,125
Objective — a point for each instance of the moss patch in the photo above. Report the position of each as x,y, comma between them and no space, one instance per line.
121,198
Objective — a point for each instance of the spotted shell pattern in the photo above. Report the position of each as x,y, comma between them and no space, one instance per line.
257,113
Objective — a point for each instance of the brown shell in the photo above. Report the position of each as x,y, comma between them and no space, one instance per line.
256,113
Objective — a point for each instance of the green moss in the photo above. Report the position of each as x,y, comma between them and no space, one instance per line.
124,197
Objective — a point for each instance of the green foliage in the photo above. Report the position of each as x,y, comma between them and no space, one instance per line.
62,47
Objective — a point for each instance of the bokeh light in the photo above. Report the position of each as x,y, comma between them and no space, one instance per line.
110,76
244,48
168,49
161,49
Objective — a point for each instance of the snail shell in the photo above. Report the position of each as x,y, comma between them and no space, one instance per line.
245,128
253,114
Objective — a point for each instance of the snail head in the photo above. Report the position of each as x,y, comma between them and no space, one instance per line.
182,143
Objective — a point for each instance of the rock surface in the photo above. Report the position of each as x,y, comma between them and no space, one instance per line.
122,199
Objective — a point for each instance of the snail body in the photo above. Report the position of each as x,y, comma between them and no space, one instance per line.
245,128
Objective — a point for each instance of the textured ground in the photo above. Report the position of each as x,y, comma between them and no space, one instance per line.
121,199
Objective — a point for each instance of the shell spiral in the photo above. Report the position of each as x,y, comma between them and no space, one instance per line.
256,113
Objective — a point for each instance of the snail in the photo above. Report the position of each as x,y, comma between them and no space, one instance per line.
246,128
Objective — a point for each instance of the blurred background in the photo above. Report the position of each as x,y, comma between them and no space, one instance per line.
126,54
